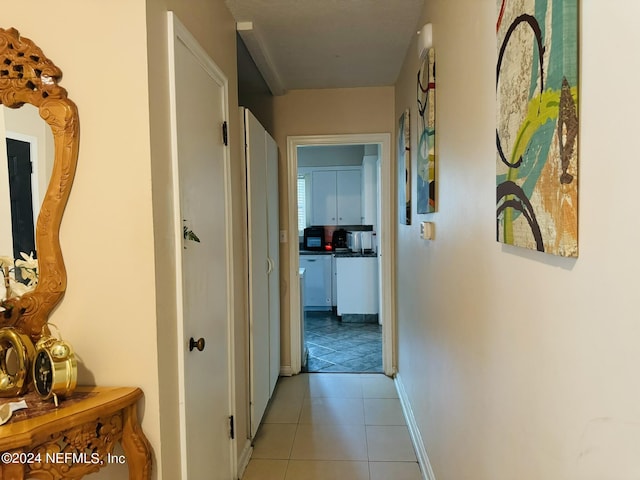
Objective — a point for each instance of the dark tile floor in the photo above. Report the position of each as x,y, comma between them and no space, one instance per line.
342,347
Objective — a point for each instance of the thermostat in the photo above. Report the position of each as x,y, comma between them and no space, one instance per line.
426,230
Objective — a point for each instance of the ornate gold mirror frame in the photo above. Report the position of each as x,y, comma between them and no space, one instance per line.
27,76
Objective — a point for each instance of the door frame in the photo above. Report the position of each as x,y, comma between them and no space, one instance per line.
385,241
35,165
177,32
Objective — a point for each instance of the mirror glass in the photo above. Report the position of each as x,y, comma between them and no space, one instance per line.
26,163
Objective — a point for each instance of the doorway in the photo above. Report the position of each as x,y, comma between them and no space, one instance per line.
20,193
338,195
201,209
384,242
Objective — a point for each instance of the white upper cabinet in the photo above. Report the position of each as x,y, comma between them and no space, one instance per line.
349,195
323,197
337,197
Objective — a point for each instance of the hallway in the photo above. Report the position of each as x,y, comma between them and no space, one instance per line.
331,426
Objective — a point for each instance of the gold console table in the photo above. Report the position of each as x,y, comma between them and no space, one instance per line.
75,439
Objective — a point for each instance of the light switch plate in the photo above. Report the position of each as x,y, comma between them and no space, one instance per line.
283,236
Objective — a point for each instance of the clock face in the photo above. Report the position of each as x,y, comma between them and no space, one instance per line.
43,373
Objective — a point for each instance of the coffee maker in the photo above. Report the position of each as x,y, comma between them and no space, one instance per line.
339,240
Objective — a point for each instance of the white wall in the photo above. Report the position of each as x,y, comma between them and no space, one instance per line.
521,365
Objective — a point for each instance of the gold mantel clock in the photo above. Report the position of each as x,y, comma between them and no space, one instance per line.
55,369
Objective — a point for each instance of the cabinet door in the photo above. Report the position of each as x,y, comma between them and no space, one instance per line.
256,159
323,197
349,197
264,271
273,252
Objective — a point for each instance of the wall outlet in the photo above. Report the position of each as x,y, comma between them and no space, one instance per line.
283,236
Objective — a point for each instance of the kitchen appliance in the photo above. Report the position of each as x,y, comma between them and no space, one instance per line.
313,238
366,241
360,241
353,241
339,240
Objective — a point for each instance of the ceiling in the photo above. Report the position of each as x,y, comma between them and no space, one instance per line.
303,44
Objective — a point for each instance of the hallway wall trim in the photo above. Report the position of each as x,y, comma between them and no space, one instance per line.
245,456
414,431
286,371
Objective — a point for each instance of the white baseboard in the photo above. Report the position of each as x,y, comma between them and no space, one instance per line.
286,371
245,456
414,431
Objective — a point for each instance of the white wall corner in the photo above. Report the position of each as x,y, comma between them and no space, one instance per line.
414,431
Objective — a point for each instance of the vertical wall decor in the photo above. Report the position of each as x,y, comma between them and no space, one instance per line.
537,125
426,92
404,170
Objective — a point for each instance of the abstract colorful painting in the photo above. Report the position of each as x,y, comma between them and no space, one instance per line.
537,125
404,170
426,179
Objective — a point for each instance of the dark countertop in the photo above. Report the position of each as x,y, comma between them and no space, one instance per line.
339,254
355,254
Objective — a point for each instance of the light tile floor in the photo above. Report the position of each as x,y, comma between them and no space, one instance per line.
333,426
336,346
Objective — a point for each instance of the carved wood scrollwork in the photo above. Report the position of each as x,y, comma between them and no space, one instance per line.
28,76
78,451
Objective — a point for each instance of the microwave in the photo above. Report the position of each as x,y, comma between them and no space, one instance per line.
313,238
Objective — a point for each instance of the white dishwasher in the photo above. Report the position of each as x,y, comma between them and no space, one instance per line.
357,279
317,281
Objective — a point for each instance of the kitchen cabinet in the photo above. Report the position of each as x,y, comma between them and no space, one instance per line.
261,156
317,281
336,197
357,287
370,191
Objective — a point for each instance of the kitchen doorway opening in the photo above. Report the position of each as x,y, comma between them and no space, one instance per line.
345,323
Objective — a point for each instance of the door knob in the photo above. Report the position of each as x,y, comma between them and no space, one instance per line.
199,344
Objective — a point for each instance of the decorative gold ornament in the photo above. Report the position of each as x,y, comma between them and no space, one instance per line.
16,354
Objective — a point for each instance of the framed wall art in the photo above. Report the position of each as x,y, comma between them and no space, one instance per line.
426,158
537,125
404,169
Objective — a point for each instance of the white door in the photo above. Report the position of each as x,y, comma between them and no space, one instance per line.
259,265
200,170
273,219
